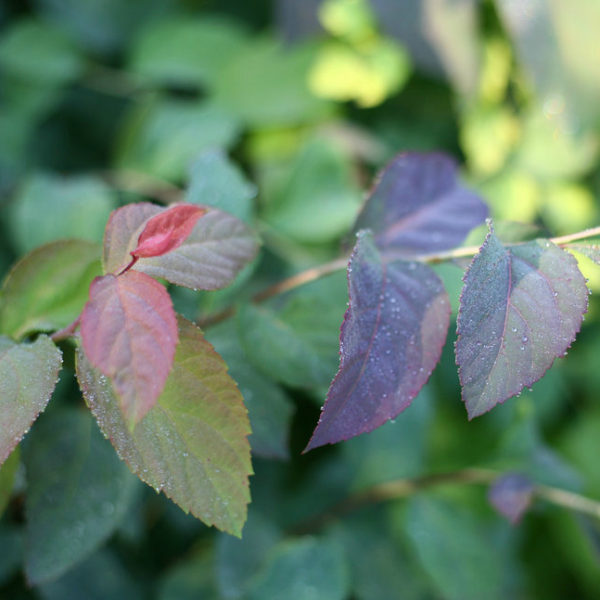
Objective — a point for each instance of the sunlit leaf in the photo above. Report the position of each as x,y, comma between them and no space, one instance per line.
418,206
391,340
192,445
78,493
521,308
47,289
28,374
592,251
511,495
129,333
209,258
167,230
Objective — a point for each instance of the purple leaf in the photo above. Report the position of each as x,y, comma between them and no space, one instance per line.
511,495
391,340
418,206
521,307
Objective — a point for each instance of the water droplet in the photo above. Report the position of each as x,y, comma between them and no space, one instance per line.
524,339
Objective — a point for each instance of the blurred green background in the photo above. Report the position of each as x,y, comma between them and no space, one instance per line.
281,111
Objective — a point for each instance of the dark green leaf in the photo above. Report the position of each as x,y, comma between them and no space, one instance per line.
28,374
191,579
192,444
78,493
47,289
303,569
11,542
8,471
269,408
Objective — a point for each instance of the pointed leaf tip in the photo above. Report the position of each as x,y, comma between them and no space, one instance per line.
521,307
129,333
391,339
167,230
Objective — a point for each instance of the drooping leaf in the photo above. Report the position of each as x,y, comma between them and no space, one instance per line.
47,289
129,333
192,444
269,408
79,206
592,251
167,230
78,492
28,374
209,258
418,206
511,495
303,569
216,181
391,339
122,232
521,308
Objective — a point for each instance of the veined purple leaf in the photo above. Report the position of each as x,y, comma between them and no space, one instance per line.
511,495
418,206
391,339
521,308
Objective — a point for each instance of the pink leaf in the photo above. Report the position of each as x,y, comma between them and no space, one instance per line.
167,230
129,333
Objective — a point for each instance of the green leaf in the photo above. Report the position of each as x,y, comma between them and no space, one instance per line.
303,569
269,408
453,549
47,289
162,137
192,445
298,346
101,577
237,562
79,207
78,493
320,200
8,472
184,50
11,542
191,579
37,52
218,182
266,85
28,374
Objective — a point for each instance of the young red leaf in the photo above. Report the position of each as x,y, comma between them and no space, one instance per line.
167,230
129,333
418,205
391,339
520,308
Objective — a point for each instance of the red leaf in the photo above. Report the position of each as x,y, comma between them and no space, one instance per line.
129,333
167,230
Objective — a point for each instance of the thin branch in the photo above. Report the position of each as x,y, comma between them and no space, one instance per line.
573,237
404,488
66,332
